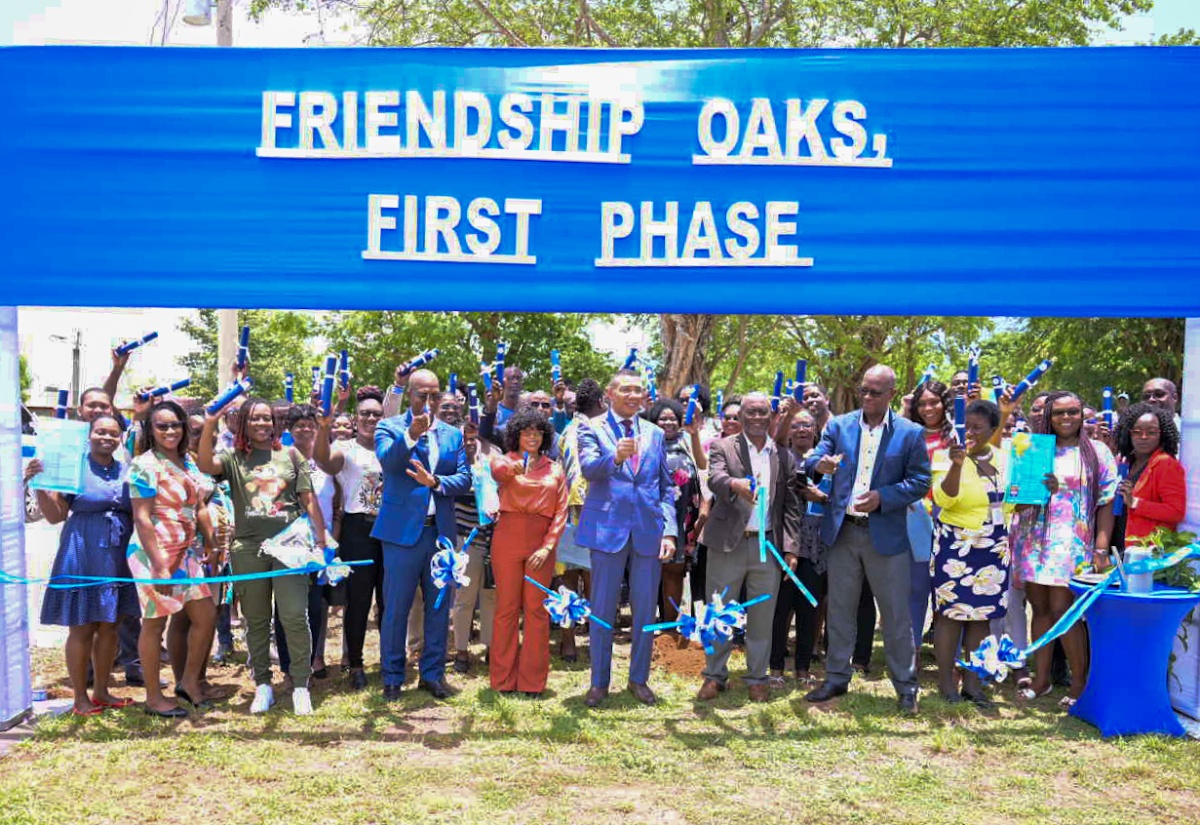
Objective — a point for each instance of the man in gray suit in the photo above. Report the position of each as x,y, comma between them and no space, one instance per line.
732,535
879,467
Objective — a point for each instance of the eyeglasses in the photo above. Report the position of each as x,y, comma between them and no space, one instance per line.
541,405
731,417
1070,412
167,427
370,414
867,392
1155,395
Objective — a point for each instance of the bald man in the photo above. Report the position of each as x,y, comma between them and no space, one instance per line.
1162,393
879,467
424,469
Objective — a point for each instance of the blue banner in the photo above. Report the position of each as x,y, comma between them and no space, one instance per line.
989,181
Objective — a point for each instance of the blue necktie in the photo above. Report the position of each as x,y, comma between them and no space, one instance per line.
633,459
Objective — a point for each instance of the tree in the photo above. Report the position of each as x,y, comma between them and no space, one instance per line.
380,340
1091,353
26,377
279,343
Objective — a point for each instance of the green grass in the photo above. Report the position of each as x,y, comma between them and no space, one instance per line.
485,758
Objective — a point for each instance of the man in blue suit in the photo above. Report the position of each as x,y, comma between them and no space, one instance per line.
627,521
879,466
424,470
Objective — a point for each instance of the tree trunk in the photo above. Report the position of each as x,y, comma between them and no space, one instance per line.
684,341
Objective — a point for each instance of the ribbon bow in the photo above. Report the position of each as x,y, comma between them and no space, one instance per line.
448,567
993,659
566,607
717,623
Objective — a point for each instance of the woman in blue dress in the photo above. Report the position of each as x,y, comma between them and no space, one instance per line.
98,525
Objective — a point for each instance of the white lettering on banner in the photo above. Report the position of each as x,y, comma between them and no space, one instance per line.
745,244
720,130
467,124
441,218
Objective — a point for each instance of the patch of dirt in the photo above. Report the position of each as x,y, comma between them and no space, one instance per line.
626,804
678,655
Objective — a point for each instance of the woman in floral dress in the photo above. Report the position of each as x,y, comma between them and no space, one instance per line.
167,510
970,563
1050,542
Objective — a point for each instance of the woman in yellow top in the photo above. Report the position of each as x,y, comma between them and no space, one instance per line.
971,557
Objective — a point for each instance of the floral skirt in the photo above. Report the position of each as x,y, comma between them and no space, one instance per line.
970,572
155,603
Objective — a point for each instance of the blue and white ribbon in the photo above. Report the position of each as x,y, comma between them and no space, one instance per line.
716,623
993,659
130,346
448,568
566,607
243,351
766,546
1032,379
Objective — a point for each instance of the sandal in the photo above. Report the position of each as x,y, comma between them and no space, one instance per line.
1067,702
120,703
775,680
1027,694
96,711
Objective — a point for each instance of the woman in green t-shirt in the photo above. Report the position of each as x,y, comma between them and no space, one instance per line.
270,488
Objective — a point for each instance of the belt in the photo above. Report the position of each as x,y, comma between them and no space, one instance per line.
747,534
859,521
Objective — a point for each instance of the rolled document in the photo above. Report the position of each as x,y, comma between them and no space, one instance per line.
226,398
327,385
555,367
130,346
64,400
473,404
159,392
1032,379
344,370
1107,399
972,368
243,353
960,419
801,379
501,348
289,387
778,390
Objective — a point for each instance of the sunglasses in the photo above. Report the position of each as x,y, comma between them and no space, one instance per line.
168,427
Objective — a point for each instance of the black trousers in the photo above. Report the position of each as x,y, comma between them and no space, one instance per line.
697,573
791,601
365,583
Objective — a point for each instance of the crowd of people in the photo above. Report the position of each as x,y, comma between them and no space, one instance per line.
884,513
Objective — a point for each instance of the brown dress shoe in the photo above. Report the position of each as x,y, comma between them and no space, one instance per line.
595,696
709,690
759,693
642,693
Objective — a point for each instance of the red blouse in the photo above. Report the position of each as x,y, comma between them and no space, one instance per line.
539,491
1159,497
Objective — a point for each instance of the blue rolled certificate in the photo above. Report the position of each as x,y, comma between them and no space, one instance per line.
631,358
327,385
453,389
159,392
927,376
233,391
972,368
960,419
998,384
485,372
801,379
526,461
289,387
420,361
1031,379
130,346
720,405
555,367
501,348
243,353
316,380
652,389
473,404
1107,402
1119,502
689,416
64,401
344,370
777,391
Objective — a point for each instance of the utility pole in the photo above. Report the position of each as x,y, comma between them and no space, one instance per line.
76,352
227,324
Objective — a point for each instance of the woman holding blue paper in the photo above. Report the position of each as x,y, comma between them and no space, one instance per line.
1050,541
970,562
99,522
168,511
533,512
270,487
357,469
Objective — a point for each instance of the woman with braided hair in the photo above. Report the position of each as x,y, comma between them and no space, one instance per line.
1155,493
1074,527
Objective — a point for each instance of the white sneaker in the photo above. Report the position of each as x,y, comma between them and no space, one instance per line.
301,702
264,697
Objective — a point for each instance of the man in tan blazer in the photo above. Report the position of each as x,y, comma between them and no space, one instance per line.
732,537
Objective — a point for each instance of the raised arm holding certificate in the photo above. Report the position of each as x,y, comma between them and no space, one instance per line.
1031,459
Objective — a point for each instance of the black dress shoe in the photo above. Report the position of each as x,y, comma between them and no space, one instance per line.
462,664
323,673
979,700
595,696
438,689
134,677
907,703
642,693
358,679
173,713
391,693
531,694
825,692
